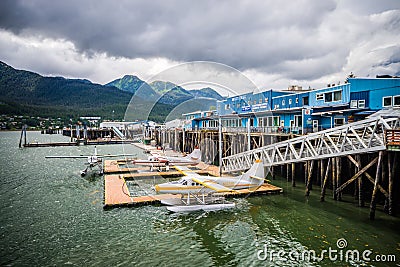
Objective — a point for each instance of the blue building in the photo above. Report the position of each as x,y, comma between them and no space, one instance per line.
301,112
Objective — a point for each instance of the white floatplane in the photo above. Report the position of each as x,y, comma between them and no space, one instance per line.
165,161
200,192
93,162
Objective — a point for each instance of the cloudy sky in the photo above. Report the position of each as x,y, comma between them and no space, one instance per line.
273,43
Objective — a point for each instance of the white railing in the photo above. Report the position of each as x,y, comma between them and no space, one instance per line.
358,137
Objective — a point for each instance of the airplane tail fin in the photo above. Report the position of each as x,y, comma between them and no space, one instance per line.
256,174
195,155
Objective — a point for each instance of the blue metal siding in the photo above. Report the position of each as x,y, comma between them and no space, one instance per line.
289,101
362,95
376,96
313,102
368,84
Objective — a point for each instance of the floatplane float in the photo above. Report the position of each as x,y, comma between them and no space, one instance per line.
201,192
94,162
156,160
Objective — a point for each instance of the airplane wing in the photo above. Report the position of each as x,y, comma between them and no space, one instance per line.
86,156
211,184
114,156
66,157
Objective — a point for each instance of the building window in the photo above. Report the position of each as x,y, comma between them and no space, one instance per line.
260,101
297,100
290,101
353,104
387,101
283,102
339,121
255,102
305,101
238,105
227,106
361,103
396,100
319,97
337,96
298,121
328,97
266,100
260,122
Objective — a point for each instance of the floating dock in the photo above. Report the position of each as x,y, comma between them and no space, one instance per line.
117,172
121,167
117,194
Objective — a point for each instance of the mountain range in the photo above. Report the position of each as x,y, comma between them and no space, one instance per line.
163,91
28,93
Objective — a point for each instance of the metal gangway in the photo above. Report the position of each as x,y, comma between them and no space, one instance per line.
118,132
364,136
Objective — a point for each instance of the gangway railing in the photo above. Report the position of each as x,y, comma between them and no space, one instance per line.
118,132
364,136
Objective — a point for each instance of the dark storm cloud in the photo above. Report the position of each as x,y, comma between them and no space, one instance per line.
246,34
294,40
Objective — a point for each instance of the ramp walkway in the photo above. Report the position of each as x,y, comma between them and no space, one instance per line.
118,132
364,136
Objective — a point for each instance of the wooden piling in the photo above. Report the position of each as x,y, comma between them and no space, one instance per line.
334,178
338,176
392,157
293,174
322,172
324,184
309,179
273,172
361,202
287,173
377,178
384,180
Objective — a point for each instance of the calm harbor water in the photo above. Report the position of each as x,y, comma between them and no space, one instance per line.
49,215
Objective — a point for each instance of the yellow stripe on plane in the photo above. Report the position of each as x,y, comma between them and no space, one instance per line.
207,183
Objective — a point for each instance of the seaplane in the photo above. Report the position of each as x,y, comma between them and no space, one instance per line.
202,192
157,160
93,162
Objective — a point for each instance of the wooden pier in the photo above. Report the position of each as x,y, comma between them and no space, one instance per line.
50,144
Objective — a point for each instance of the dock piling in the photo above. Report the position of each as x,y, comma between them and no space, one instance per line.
377,178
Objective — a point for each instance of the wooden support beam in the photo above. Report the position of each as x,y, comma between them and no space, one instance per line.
322,169
287,173
363,170
377,179
324,184
338,176
309,178
334,178
273,172
293,174
361,202
383,191
391,168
